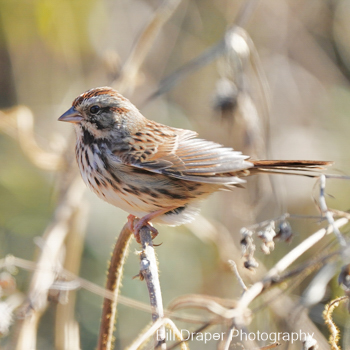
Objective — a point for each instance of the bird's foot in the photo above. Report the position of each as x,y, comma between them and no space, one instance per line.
135,225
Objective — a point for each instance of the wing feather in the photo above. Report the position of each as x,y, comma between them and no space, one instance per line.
178,153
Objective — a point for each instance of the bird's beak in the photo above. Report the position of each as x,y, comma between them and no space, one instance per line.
71,116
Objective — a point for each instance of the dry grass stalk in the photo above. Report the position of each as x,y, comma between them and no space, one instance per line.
114,278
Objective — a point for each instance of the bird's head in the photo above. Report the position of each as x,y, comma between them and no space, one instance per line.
102,112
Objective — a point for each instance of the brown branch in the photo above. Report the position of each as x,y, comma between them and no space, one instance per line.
333,329
114,277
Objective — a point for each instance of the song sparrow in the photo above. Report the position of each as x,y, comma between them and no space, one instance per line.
153,171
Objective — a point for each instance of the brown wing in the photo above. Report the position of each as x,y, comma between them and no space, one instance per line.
178,153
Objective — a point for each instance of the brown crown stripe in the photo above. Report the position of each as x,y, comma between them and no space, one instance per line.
96,92
121,110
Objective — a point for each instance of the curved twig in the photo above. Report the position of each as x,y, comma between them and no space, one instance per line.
114,277
19,124
333,329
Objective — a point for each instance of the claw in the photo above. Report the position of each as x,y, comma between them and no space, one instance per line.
139,275
135,224
141,224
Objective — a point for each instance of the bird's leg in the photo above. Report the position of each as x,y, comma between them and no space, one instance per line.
131,219
145,221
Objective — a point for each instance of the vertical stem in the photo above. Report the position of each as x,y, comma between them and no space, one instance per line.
66,326
114,277
149,271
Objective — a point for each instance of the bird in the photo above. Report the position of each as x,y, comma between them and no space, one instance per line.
154,172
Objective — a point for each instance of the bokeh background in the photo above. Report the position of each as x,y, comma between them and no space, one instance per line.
283,93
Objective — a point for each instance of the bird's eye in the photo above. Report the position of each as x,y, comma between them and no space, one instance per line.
94,109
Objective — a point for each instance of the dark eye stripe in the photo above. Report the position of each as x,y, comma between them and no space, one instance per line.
98,125
94,119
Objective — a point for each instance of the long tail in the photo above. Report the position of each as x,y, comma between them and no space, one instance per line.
293,167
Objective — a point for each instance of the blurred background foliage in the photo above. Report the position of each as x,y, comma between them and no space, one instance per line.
53,50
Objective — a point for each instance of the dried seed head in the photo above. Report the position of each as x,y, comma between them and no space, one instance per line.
251,264
344,277
267,236
284,232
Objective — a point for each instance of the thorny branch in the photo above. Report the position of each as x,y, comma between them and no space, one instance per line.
333,329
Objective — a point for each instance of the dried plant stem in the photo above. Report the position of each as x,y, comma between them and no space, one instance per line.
128,77
144,336
19,124
245,12
114,277
208,55
66,326
270,346
328,214
333,329
288,259
149,271
48,263
284,263
234,268
73,282
240,313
